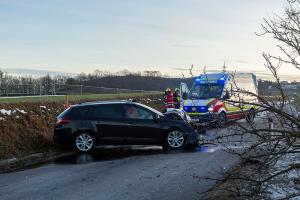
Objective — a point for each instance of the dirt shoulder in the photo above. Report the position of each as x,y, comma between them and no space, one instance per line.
243,181
229,187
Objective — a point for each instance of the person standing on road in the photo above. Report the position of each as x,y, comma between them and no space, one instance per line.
176,97
168,99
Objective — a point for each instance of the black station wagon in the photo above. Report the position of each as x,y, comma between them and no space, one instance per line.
90,124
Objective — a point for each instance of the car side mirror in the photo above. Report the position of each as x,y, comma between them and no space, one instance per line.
226,96
156,118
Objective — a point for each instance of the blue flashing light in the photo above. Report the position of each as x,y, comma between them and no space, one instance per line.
221,80
202,108
185,108
211,78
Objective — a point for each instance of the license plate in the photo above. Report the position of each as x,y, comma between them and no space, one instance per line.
195,120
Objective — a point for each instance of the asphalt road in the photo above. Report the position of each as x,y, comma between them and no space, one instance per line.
122,173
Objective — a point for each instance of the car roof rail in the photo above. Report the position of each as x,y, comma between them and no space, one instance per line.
106,102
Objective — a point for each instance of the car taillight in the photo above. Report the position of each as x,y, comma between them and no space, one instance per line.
61,122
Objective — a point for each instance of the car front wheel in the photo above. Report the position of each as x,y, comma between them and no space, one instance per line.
175,140
84,142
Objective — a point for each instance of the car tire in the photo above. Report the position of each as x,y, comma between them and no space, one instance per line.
175,140
250,116
84,142
222,120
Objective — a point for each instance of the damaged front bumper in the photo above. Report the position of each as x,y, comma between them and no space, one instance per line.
203,119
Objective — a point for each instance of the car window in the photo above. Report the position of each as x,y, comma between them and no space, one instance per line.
112,111
174,116
151,109
65,113
77,112
134,112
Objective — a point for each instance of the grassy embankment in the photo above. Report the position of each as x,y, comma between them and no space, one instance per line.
75,98
27,126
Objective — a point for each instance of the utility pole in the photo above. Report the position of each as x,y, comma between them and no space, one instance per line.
1,79
224,67
54,92
191,70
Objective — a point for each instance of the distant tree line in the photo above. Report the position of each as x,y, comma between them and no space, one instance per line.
22,85
267,87
48,85
125,79
147,80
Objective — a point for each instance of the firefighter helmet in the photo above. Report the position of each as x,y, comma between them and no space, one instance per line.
168,90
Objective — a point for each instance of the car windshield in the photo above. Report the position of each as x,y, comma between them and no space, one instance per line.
206,91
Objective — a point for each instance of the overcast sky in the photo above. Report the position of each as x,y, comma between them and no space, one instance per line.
166,35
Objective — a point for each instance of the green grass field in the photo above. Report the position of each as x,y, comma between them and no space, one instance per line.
76,98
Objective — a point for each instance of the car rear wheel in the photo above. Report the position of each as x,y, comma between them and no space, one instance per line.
84,142
175,140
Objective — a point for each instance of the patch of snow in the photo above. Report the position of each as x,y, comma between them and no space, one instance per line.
43,107
6,112
287,187
10,112
21,111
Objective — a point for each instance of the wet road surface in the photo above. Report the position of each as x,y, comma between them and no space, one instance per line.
149,175
132,172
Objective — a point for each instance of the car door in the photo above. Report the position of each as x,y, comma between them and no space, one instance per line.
143,128
111,124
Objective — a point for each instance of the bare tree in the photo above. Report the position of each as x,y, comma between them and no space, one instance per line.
273,151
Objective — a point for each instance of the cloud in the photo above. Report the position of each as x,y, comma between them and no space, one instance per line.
180,69
240,61
235,61
187,45
197,69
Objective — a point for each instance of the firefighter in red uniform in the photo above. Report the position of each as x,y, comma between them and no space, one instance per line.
168,99
176,97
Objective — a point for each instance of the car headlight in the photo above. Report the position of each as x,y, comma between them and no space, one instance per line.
210,108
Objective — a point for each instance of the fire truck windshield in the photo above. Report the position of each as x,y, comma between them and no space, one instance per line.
206,91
